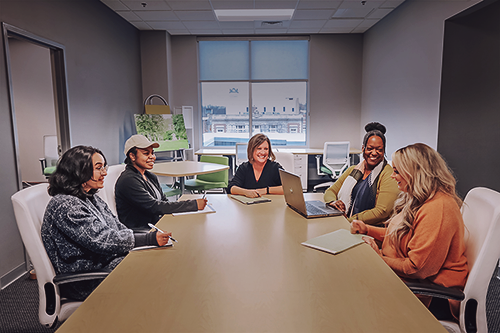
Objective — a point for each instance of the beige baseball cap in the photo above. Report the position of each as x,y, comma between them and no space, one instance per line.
139,141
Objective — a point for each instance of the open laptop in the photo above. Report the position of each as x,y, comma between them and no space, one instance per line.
294,198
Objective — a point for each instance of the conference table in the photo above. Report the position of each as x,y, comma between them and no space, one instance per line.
243,269
182,169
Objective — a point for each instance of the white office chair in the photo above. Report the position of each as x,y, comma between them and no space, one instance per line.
285,159
481,214
335,161
107,193
241,153
29,207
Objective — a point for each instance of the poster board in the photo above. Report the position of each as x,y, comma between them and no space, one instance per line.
166,129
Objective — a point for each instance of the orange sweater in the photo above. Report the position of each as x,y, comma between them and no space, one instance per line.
434,251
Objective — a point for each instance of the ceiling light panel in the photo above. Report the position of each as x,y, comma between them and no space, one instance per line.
195,15
253,14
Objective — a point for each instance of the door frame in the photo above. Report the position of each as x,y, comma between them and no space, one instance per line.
60,88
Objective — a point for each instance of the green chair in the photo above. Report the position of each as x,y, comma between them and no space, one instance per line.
170,191
209,181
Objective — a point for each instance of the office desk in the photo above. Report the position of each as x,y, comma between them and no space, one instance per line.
243,269
183,169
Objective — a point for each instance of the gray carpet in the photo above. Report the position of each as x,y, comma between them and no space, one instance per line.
19,307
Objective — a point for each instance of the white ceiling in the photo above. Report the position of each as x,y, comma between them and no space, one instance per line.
197,17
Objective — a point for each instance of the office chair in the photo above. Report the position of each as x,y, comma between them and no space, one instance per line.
241,153
481,214
51,155
335,161
29,207
285,159
107,193
210,180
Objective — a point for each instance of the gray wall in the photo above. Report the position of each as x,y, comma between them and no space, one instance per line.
104,90
402,56
470,99
335,86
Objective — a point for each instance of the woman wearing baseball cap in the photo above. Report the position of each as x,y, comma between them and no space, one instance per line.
138,194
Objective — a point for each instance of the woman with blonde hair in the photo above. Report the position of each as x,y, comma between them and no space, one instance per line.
260,175
424,238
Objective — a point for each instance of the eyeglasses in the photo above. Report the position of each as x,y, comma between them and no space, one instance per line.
102,169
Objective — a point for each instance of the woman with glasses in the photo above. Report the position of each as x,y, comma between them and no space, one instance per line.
424,238
79,231
366,191
138,194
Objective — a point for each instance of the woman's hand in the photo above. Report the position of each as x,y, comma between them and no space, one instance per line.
339,204
201,203
255,193
358,227
370,241
162,237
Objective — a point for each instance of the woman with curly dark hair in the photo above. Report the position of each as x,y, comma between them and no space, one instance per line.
366,191
79,231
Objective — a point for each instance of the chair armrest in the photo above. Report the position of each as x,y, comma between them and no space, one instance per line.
75,277
430,289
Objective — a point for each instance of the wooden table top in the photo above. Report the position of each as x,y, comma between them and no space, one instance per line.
186,168
243,269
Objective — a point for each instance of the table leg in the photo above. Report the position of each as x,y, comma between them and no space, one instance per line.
181,180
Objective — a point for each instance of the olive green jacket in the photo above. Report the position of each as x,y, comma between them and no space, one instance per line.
387,192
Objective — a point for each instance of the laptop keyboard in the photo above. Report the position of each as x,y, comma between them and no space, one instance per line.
313,210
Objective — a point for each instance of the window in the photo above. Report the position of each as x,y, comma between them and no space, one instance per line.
271,76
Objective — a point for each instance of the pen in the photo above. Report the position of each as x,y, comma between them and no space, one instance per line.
159,230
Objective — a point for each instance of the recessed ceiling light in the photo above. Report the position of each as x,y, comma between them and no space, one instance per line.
253,14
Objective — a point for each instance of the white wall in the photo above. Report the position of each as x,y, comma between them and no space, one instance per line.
402,57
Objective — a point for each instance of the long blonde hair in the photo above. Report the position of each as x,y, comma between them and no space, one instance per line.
425,173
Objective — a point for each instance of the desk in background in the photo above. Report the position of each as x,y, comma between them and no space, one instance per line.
243,269
300,158
182,169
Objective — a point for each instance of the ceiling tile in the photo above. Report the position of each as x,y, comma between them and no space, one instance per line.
275,4
307,24
337,30
150,5
318,4
367,23
115,5
304,31
159,15
141,25
167,25
238,32
391,4
312,14
189,5
352,12
179,32
129,16
201,25
271,31
343,23
205,32
195,15
379,13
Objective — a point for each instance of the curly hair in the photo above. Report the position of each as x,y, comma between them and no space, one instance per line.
426,173
74,169
256,141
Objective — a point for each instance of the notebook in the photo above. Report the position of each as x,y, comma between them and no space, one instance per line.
294,198
249,201
335,242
